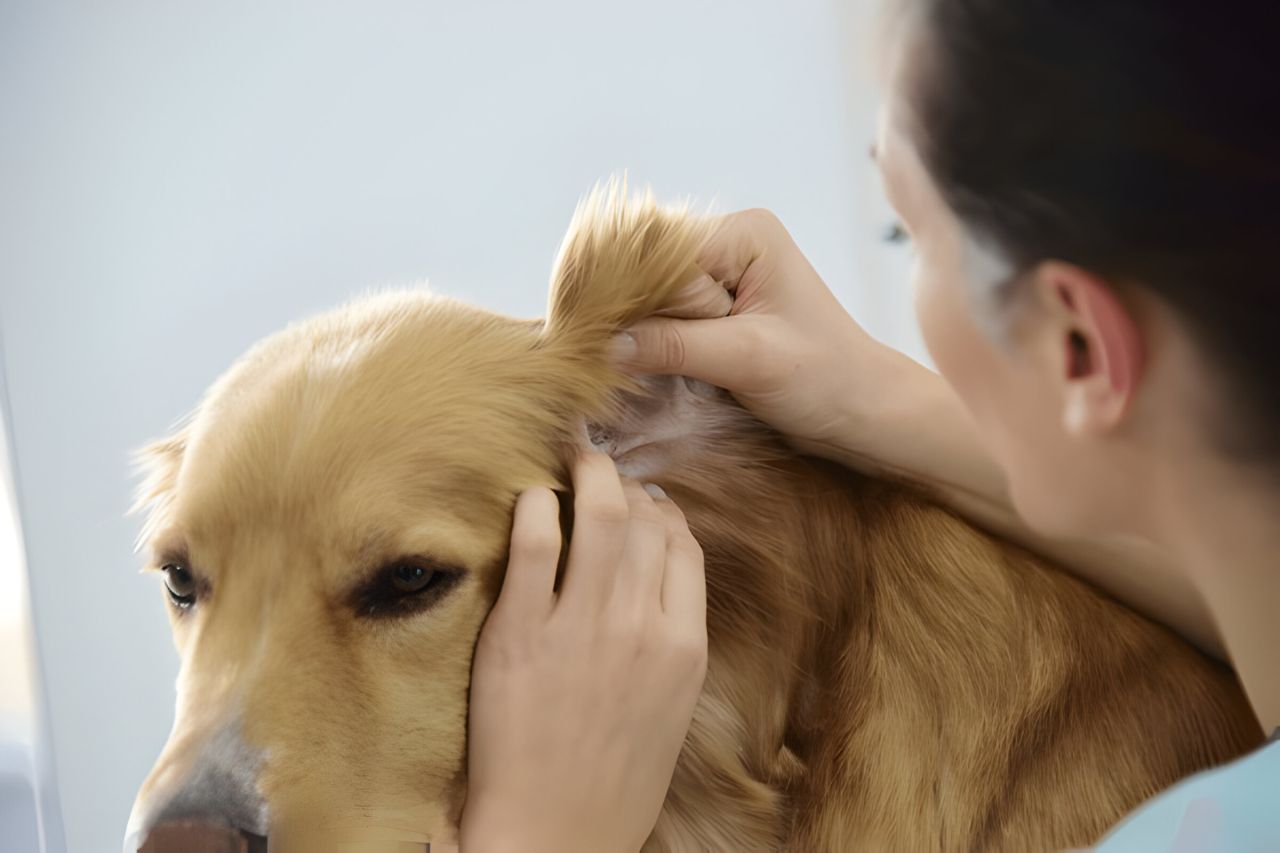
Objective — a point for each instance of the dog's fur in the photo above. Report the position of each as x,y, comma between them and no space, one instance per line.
882,676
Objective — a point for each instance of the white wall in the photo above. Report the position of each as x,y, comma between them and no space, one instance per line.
180,179
27,786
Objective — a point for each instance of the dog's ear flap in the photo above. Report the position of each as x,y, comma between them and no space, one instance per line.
622,260
158,463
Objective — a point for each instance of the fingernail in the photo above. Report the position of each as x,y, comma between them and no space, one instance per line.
655,491
623,347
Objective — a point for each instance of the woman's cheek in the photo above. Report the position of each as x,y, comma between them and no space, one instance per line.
975,368
949,334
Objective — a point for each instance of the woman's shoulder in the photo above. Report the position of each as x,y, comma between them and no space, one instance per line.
1232,807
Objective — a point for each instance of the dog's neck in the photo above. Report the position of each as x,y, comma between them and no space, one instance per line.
779,534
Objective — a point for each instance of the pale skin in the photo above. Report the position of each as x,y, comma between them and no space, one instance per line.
581,698
1080,429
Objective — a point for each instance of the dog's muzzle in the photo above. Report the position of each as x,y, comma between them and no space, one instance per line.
216,808
195,837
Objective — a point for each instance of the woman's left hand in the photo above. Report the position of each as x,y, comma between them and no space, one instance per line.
580,701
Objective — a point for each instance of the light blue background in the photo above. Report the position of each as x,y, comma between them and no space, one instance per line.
179,179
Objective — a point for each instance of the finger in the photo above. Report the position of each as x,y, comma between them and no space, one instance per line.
600,518
528,589
684,581
639,579
738,241
702,298
718,351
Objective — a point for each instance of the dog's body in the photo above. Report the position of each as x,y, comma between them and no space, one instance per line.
881,676
932,690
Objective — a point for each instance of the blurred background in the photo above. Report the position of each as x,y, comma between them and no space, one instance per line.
180,179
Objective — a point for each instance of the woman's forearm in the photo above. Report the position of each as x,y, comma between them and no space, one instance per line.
918,430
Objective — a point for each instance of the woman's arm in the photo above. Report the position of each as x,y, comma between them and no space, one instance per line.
918,430
762,324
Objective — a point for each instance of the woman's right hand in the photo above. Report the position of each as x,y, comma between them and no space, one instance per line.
763,325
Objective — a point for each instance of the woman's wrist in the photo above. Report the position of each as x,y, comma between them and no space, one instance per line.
902,419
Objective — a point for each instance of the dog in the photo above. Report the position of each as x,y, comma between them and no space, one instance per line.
881,675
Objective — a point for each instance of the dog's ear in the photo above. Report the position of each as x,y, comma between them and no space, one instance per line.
158,464
623,259
626,258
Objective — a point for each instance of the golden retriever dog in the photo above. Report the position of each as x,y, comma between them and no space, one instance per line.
332,525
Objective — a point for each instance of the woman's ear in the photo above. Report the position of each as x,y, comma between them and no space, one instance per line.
1099,344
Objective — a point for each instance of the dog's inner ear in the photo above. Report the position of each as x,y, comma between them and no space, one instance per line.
665,425
668,421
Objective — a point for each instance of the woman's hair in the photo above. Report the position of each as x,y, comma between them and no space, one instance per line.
1139,139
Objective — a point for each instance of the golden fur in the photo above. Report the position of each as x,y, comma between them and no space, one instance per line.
882,676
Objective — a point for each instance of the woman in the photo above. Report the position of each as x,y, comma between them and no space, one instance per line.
1093,190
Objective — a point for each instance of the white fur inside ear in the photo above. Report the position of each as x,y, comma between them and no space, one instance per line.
660,425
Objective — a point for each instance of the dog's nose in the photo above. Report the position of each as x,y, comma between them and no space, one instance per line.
216,807
196,837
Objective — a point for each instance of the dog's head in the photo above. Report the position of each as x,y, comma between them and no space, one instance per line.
332,526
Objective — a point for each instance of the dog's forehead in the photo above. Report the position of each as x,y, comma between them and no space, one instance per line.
405,401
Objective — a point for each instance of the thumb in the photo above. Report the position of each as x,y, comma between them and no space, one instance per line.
715,351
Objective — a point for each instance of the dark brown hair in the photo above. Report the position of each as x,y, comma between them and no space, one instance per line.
1139,139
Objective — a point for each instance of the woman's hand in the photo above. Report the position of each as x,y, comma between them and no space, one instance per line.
763,325
580,701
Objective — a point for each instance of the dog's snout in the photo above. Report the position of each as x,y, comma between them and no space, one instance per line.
197,837
217,806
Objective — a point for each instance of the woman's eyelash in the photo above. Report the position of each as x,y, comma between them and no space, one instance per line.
895,233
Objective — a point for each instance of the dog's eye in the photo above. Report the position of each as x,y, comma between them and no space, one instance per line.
404,587
180,584
411,577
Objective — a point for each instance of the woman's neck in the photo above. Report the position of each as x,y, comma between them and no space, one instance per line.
1225,525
